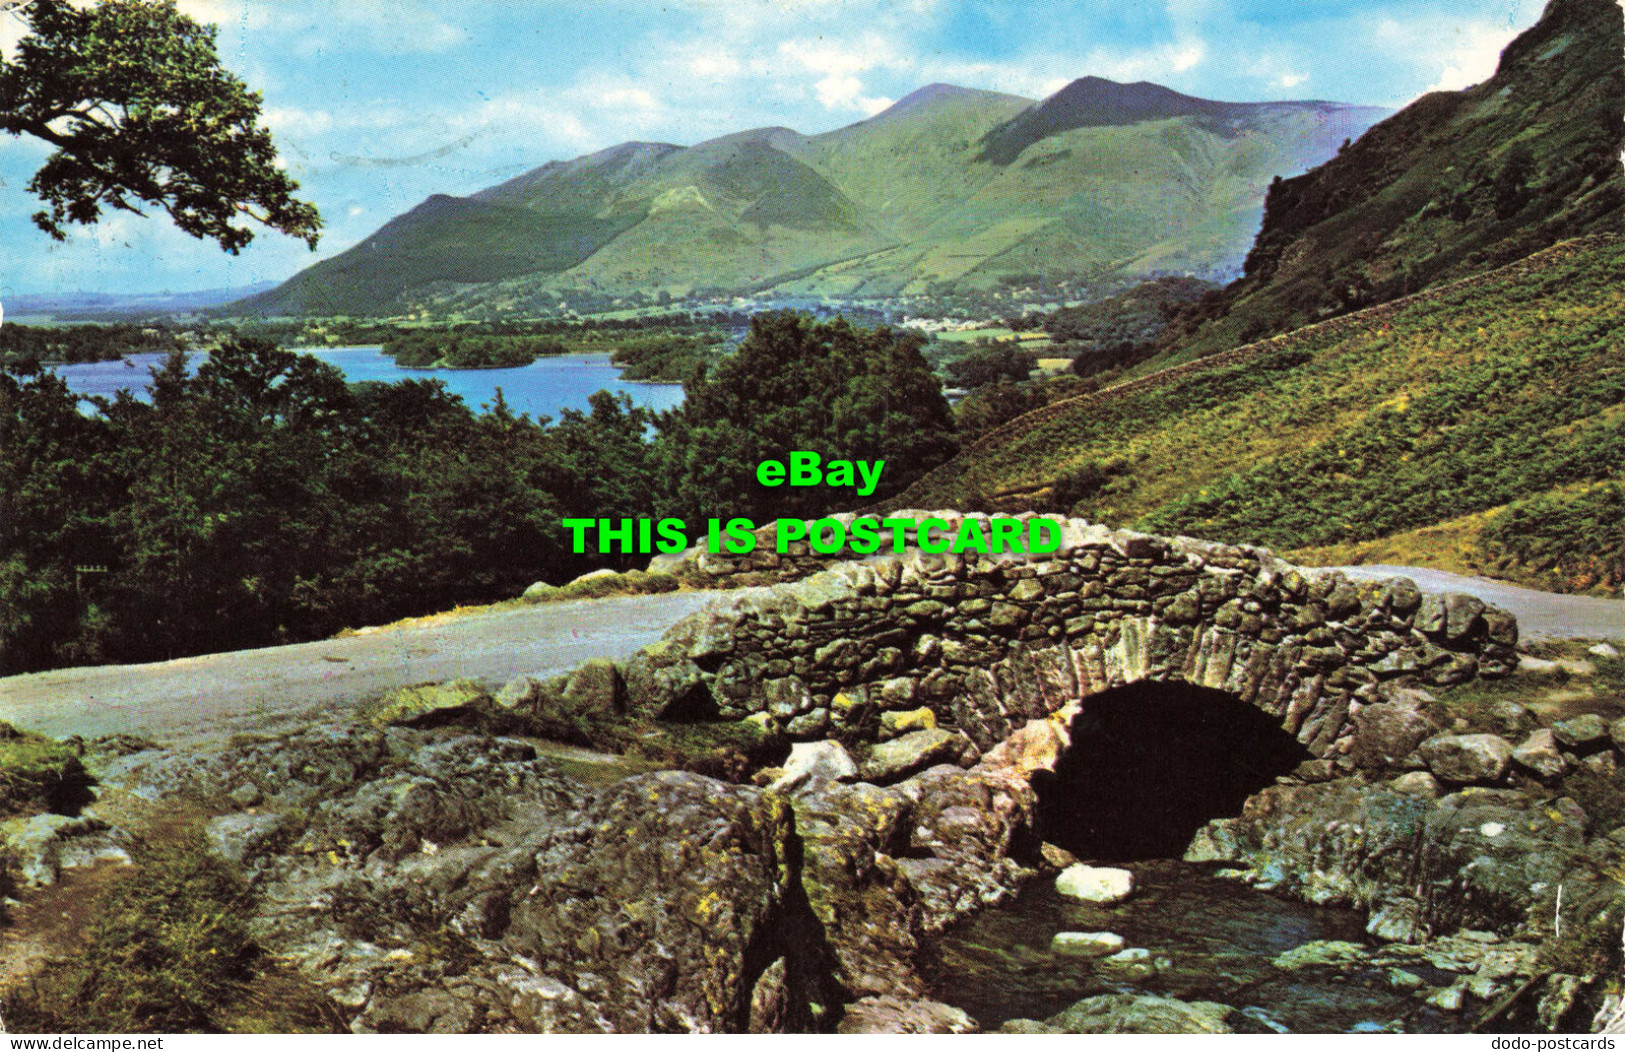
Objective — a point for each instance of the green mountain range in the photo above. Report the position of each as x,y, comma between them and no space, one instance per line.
949,189
1473,425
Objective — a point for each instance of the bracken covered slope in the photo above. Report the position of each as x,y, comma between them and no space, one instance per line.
1477,426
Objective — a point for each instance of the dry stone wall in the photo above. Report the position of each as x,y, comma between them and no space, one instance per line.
980,645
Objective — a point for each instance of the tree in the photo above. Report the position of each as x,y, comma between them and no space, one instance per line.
132,95
1002,361
844,392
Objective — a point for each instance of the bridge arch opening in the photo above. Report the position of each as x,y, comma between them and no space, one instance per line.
1152,762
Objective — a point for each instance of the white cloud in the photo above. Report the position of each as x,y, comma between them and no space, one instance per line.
1291,80
1473,55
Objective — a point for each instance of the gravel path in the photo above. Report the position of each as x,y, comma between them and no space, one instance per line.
279,688
1541,615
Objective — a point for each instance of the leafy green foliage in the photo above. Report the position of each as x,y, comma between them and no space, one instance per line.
666,357
999,403
262,500
1137,316
132,96
1472,399
81,343
989,365
795,384
1565,540
449,350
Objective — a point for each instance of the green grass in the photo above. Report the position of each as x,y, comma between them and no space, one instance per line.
168,951
1499,396
37,774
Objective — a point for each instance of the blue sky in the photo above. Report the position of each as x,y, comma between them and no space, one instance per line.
378,103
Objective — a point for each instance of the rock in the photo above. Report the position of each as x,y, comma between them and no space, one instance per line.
1510,720
1397,918
1602,763
1616,733
895,1015
1385,734
427,1011
1127,966
1539,754
428,704
246,795
913,752
1561,994
1357,844
521,692
539,591
1086,943
1448,999
1095,884
1056,856
1604,650
1142,1014
856,888
595,687
812,762
543,1005
965,828
1322,953
1582,732
1036,746
1537,666
1416,783
42,846
1467,758
1400,979
1463,616
668,878
893,724
241,837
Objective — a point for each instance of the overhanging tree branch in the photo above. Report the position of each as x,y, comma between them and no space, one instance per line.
132,95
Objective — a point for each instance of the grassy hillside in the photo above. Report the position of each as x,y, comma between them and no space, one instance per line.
949,189
1480,426
1455,184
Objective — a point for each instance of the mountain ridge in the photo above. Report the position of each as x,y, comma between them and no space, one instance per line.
898,203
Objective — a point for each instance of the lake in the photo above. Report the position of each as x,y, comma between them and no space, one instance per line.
540,389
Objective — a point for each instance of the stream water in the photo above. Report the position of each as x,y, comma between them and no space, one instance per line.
1216,938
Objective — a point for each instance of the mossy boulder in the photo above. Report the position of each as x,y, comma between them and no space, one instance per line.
431,704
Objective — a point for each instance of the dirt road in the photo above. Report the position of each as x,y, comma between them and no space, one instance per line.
279,688
1541,615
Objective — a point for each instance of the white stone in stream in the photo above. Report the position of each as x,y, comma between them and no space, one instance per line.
1086,943
1095,884
1604,650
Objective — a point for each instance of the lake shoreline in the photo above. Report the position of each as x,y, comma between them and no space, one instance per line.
546,387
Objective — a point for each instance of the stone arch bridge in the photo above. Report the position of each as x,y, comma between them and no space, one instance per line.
856,650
